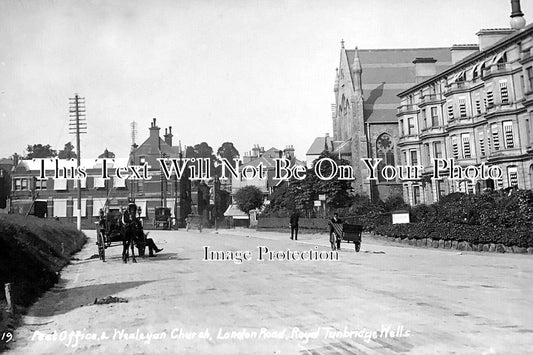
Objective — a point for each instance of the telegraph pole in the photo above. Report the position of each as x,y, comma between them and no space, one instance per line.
77,126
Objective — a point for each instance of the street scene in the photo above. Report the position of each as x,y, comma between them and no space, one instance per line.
386,299
266,177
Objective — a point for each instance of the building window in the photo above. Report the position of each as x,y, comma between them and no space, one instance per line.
424,119
142,160
529,72
414,157
450,110
490,97
401,128
434,117
41,184
512,175
411,126
470,187
437,149
455,148
440,189
465,137
481,138
416,195
17,185
504,93
462,107
427,155
478,103
24,184
405,158
528,131
495,137
508,131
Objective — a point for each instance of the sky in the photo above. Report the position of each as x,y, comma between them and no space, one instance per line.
247,72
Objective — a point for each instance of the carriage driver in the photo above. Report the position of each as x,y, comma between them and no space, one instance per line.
129,217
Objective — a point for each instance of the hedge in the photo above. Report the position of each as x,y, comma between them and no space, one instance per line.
521,236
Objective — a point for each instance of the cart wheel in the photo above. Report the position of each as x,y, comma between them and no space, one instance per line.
357,246
101,246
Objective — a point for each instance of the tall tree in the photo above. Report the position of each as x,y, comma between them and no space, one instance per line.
228,151
249,198
40,151
67,152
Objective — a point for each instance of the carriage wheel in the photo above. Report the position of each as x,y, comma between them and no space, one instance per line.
357,246
101,246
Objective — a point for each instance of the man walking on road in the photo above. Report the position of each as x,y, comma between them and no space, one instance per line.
294,225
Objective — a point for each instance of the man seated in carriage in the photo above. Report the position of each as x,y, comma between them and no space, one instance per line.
131,219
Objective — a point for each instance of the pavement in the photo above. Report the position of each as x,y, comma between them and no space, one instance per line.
386,299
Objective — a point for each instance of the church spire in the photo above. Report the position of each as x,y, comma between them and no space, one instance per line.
356,73
336,87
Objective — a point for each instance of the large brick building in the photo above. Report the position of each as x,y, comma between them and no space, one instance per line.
96,192
478,111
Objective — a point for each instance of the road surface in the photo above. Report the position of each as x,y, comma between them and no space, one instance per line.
385,299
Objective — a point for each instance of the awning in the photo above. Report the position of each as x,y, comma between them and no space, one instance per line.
497,58
456,77
235,212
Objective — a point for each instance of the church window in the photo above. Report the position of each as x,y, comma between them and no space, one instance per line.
385,151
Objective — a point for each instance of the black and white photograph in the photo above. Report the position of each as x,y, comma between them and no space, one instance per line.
302,177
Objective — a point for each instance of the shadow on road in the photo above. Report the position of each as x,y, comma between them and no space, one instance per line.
60,301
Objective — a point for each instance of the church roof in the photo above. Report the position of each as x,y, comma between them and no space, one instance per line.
387,72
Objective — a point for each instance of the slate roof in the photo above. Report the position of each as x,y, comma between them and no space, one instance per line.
387,72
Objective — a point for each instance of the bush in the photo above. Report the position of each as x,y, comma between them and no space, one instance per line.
32,252
521,236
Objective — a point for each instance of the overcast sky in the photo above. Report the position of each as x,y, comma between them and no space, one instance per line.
248,72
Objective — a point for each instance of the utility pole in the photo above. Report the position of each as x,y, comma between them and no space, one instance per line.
77,126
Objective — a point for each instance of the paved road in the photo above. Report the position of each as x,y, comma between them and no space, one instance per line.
386,299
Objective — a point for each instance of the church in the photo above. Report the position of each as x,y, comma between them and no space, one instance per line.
364,115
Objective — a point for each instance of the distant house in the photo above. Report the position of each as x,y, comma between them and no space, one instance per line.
257,158
326,143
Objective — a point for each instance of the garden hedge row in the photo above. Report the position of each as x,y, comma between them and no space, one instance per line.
521,236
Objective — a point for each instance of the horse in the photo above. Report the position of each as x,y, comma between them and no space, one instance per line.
132,230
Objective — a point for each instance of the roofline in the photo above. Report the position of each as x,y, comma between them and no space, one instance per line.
501,43
397,49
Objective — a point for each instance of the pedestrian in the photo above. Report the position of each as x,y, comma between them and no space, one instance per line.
188,222
293,223
335,231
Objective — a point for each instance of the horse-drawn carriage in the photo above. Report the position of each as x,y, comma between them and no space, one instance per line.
112,231
347,232
162,218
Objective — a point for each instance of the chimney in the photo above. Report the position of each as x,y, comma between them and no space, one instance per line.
289,152
168,136
154,131
424,68
517,17
255,151
488,37
461,51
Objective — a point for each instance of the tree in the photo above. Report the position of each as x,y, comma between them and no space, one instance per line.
249,198
67,152
228,151
40,151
